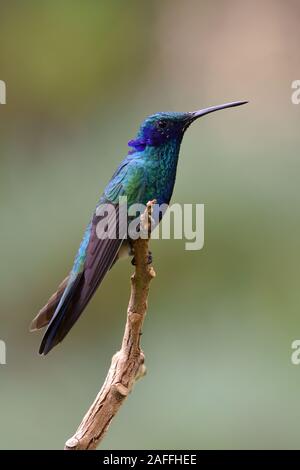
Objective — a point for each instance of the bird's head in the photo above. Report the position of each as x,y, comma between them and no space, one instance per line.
160,128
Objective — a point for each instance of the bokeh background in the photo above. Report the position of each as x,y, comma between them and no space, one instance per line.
80,77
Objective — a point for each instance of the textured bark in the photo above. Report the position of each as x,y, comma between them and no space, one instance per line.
127,365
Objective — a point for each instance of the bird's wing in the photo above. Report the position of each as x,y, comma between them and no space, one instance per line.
94,259
129,180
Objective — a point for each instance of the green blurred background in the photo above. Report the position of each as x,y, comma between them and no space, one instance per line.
80,77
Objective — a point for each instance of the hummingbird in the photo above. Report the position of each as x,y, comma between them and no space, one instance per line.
147,173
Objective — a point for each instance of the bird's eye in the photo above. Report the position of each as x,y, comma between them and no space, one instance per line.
162,124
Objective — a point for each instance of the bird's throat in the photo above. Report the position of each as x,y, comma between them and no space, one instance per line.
161,163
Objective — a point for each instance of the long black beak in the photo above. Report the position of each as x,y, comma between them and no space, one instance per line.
212,109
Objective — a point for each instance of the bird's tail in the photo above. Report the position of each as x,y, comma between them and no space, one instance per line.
66,314
46,313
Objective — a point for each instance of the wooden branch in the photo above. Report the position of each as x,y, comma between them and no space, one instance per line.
127,365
